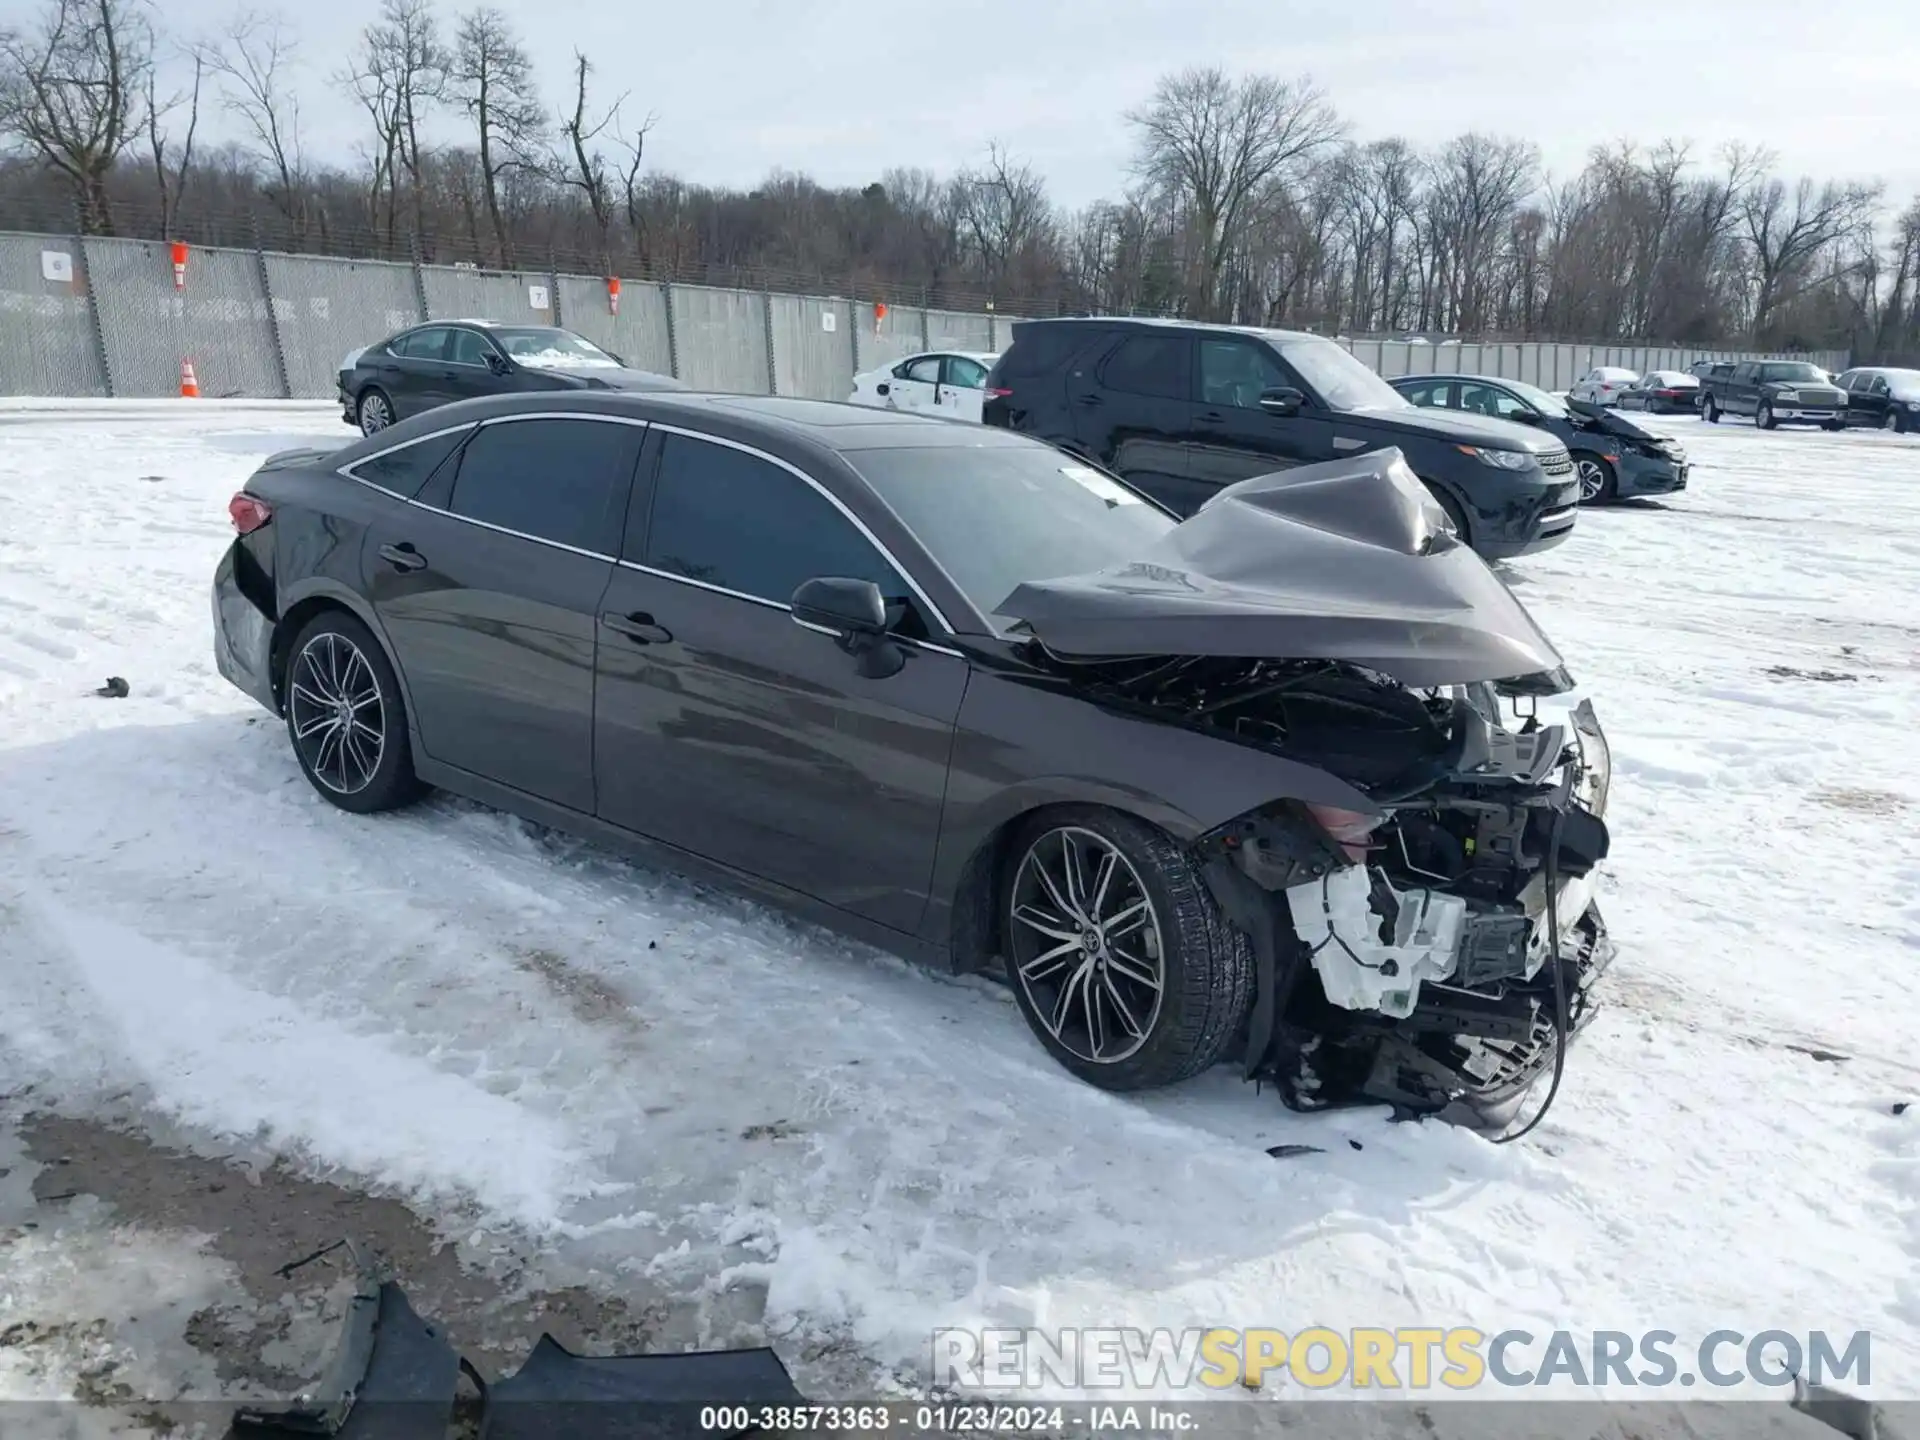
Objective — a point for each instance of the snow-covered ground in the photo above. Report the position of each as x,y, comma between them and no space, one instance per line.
652,1086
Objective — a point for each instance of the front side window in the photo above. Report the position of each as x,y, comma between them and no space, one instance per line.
966,373
405,472
734,520
1234,372
1490,400
995,516
469,348
1153,365
1341,382
559,480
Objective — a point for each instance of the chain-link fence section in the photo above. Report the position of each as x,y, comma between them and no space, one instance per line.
104,317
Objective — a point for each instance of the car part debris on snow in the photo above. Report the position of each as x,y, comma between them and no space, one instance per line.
114,689
393,1376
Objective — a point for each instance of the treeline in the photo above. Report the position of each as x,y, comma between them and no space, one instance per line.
1248,198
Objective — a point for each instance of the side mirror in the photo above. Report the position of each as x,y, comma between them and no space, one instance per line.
497,363
1282,401
1525,417
619,360
855,612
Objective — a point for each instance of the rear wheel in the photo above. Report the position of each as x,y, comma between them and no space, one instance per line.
1118,956
345,716
375,410
1598,483
1710,412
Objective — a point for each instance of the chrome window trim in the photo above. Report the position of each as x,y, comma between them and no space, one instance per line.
835,501
348,469
648,569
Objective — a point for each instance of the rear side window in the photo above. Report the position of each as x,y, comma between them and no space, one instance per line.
559,480
1429,394
1041,349
405,471
733,520
1156,365
421,345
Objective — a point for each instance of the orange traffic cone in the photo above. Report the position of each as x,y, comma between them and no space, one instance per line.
189,386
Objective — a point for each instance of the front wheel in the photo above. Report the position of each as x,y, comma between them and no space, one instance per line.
346,718
1598,483
1119,958
375,410
1894,423
1763,417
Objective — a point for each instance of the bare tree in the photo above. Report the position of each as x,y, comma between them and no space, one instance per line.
1477,185
1211,144
255,66
170,177
1005,210
584,166
399,73
492,78
73,90
1786,229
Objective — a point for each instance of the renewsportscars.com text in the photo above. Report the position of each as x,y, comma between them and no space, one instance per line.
1404,1358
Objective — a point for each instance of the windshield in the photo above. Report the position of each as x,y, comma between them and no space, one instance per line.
545,347
998,516
1343,382
1797,370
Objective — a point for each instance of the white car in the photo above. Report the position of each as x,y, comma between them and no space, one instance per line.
1602,385
936,382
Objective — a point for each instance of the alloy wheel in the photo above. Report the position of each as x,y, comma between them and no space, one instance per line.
1593,479
1891,422
375,414
336,714
1086,945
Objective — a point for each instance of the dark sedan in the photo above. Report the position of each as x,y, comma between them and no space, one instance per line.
1615,458
977,701
1882,396
450,360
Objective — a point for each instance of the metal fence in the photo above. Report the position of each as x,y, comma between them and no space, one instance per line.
109,317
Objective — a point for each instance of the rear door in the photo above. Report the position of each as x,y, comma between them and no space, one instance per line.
916,385
488,585
1132,410
1741,393
413,371
1233,438
726,729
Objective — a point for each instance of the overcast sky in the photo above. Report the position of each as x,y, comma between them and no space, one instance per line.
845,89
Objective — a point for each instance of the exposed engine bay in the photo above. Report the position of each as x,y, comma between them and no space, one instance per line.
1436,949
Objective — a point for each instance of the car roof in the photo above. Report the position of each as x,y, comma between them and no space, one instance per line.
1147,322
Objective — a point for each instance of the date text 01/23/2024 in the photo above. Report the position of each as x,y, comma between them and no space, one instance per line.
913,1419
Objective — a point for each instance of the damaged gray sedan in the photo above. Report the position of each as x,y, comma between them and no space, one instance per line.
1295,782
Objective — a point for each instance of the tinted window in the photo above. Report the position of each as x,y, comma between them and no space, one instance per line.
560,480
1149,365
1234,372
421,345
969,374
1038,349
405,471
995,516
1490,400
727,518
1428,393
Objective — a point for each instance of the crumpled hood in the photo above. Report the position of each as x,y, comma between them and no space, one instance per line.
1350,560
1610,422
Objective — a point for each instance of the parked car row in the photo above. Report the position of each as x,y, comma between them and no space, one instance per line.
1770,392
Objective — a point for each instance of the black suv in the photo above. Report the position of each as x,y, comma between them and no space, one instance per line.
1181,410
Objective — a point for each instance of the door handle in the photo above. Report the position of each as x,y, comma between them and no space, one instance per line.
403,556
638,627
1090,401
1211,417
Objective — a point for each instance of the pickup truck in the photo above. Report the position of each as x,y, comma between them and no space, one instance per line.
1710,373
1777,392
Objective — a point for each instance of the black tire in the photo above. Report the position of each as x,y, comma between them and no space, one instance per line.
1895,422
1833,424
1710,412
1593,468
1204,966
332,663
373,404
1763,416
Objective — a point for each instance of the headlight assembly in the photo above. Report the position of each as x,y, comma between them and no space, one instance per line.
1500,459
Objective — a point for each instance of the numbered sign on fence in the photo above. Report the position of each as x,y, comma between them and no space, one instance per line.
537,297
57,266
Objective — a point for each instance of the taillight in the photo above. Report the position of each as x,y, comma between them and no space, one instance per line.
998,392
1348,829
247,513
